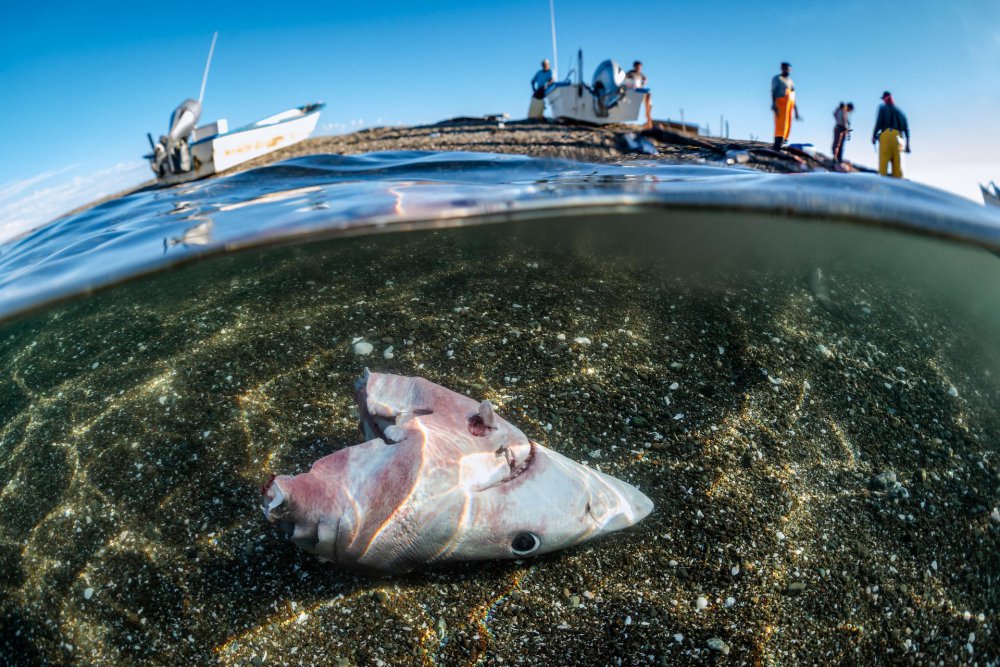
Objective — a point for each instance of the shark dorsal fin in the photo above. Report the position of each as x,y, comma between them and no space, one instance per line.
486,414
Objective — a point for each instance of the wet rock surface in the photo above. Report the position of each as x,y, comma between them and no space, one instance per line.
560,139
139,424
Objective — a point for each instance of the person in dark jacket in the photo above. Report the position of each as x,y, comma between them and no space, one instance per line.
890,131
841,129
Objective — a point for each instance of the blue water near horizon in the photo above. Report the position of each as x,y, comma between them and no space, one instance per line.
324,195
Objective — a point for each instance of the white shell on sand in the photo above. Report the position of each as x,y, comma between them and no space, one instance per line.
363,348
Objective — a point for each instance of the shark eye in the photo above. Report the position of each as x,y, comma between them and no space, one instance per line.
525,544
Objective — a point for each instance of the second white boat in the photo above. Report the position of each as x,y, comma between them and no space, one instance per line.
609,98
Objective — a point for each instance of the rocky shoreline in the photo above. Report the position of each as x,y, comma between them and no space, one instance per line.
551,139
554,139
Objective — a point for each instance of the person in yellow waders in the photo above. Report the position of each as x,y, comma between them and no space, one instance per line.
890,129
783,104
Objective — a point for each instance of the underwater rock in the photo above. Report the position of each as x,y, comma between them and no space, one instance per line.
363,348
717,645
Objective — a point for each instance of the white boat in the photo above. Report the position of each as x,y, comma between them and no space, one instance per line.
991,194
215,148
608,98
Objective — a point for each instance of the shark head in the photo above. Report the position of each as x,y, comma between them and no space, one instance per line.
441,478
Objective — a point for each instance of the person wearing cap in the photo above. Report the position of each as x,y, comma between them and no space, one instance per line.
539,84
890,129
783,105
841,128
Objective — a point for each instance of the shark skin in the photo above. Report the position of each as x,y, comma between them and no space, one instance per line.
443,478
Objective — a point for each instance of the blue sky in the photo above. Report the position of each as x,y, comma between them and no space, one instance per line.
83,82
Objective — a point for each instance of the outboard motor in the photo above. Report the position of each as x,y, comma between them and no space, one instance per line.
608,86
184,119
172,154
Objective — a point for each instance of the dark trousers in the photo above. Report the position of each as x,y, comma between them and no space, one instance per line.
839,137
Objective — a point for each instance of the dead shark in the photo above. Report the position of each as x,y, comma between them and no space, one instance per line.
443,478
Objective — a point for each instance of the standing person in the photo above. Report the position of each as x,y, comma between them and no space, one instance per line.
536,110
890,128
634,78
841,129
783,104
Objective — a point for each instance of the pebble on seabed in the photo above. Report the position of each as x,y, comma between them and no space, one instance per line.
363,348
718,645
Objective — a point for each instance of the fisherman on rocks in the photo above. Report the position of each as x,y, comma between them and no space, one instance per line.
539,84
783,105
890,129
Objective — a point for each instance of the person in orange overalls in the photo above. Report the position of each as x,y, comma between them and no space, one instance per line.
783,105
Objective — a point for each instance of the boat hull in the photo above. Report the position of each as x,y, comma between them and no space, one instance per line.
217,153
575,102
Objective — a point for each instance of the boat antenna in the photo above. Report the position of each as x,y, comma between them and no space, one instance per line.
204,78
555,54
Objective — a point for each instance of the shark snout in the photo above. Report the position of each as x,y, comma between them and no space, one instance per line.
625,505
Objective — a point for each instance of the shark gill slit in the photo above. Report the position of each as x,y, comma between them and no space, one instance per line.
406,501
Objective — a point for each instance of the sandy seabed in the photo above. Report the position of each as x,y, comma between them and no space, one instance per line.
762,405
